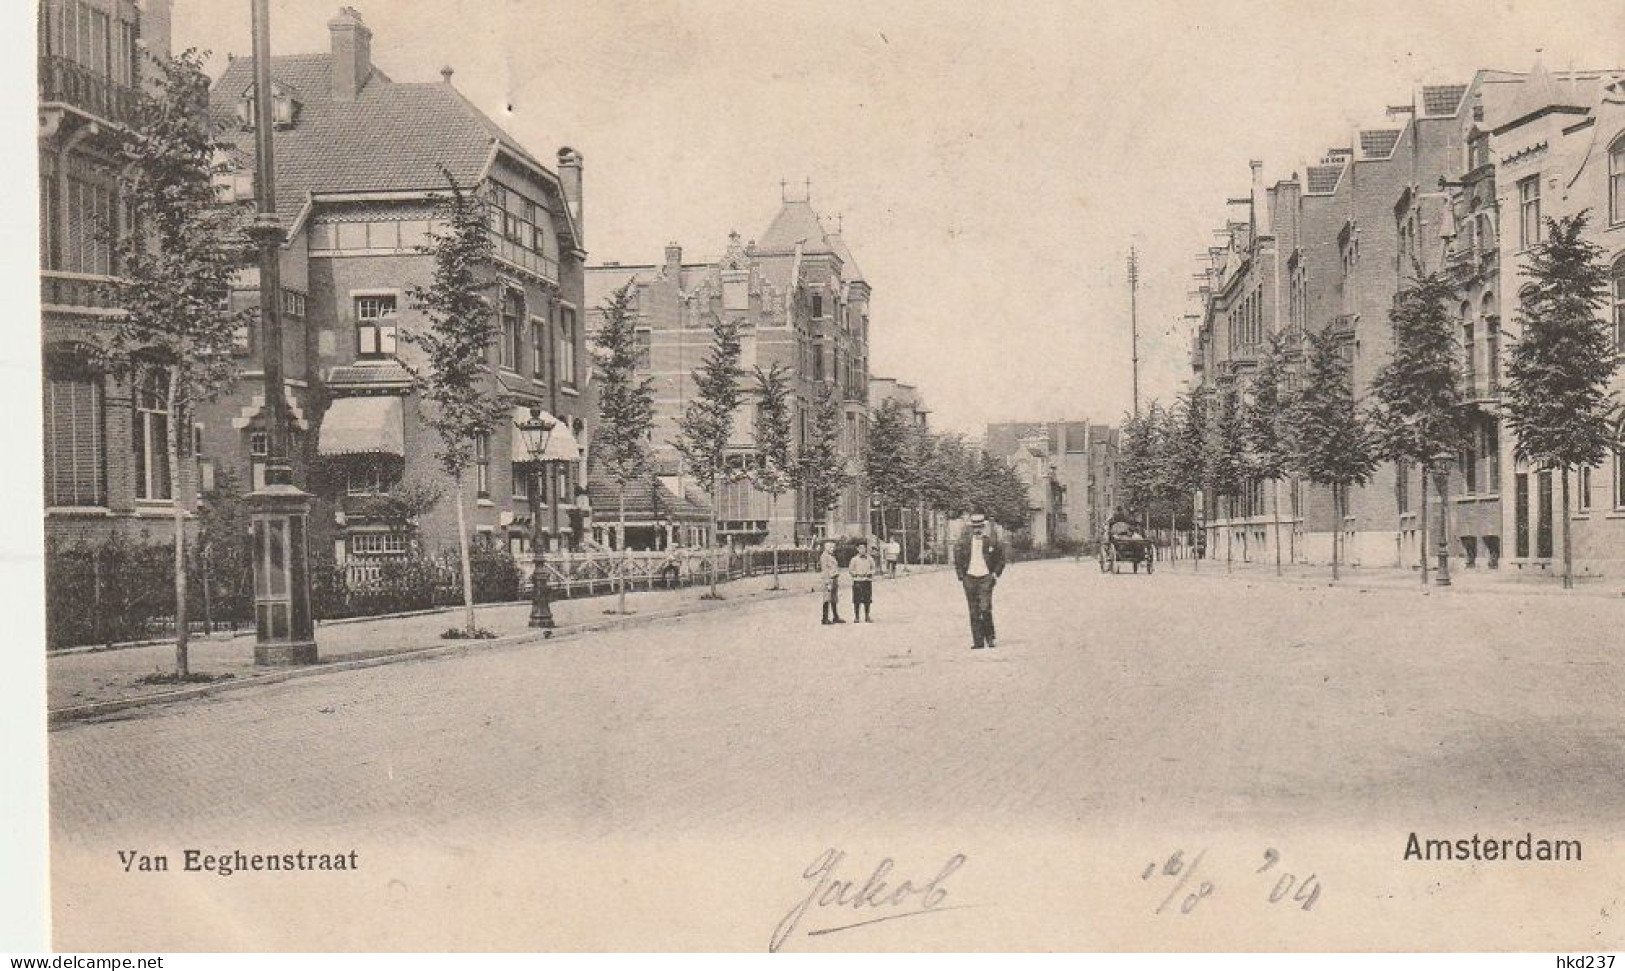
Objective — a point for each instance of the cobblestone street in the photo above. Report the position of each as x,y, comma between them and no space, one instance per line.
696,768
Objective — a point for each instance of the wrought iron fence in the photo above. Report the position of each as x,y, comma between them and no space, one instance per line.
122,590
62,80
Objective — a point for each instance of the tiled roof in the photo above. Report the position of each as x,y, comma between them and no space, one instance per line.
849,266
1442,99
647,500
795,222
1379,142
392,137
1323,179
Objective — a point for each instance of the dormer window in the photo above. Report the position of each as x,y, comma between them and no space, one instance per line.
284,107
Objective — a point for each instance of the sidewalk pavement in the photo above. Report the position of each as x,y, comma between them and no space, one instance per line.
85,684
1506,580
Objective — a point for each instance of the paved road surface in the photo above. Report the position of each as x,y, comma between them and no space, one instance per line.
669,787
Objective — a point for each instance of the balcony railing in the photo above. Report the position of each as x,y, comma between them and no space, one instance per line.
64,82
59,289
526,259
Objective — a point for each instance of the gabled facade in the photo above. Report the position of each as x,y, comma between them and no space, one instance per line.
802,303
1542,145
1323,253
360,163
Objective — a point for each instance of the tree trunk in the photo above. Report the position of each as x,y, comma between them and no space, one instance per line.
1198,532
711,561
1441,486
1275,514
463,556
772,516
1568,553
173,448
620,586
1423,536
1229,532
1337,525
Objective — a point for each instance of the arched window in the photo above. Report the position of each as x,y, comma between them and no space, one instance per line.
150,434
1616,180
75,432
1490,320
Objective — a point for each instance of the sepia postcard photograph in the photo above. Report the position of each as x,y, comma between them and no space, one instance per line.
905,476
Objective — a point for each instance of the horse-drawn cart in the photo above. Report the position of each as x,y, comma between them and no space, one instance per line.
1127,547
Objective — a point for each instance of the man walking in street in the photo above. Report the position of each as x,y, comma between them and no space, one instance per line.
978,562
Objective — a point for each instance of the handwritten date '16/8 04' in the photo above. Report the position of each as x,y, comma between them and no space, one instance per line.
1188,883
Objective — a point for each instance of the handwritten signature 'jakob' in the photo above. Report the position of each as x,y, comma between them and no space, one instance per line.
870,902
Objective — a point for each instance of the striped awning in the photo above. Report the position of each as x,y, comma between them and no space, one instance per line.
561,444
358,426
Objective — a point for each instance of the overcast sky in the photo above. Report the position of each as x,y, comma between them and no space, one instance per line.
993,162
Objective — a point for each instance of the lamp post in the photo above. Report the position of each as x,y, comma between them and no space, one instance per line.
536,432
285,631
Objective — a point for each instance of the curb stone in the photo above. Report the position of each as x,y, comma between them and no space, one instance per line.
57,717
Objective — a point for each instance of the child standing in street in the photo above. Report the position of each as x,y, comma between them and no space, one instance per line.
830,569
862,569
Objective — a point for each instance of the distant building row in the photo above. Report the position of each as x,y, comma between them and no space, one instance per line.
1461,180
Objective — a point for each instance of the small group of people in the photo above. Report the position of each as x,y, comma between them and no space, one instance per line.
979,559
861,569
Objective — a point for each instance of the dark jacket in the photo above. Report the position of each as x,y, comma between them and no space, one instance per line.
992,552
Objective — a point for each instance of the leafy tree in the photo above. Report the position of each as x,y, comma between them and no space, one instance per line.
892,463
775,471
1004,496
175,264
1557,399
626,412
1420,413
1332,444
1187,450
1226,457
822,467
454,379
1265,434
706,427
1137,461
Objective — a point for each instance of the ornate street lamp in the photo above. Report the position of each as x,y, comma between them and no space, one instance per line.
279,511
535,433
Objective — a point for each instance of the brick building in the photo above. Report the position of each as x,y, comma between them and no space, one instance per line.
804,304
1316,253
1070,470
1461,184
1539,145
359,166
104,437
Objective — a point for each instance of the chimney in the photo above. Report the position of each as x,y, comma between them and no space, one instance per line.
1260,227
674,260
570,176
352,54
